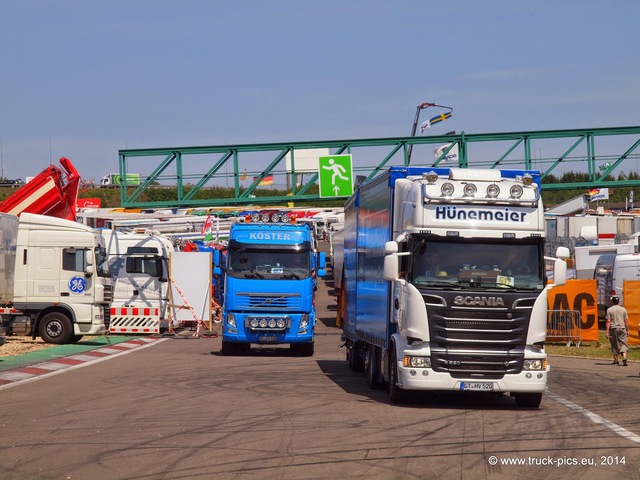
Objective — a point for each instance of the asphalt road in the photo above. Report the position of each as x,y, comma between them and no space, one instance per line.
178,409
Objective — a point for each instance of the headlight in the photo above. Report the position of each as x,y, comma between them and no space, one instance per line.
516,191
231,320
254,323
535,365
263,323
304,321
281,323
493,191
447,189
431,177
470,189
527,179
417,362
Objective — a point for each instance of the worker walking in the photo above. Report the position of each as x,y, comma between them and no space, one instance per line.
617,330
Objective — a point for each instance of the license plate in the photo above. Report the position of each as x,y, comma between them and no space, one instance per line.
267,338
476,386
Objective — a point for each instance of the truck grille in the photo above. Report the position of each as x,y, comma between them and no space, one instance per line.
484,343
269,301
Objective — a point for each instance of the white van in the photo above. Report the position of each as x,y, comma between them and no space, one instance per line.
610,273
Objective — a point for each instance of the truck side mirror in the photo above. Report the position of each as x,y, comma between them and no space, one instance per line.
559,272
391,263
322,260
88,263
216,260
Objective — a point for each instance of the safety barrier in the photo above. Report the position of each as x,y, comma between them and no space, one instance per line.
564,325
137,320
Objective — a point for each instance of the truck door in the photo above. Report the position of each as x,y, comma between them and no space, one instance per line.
74,282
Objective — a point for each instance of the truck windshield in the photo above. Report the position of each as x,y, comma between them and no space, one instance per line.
473,264
267,262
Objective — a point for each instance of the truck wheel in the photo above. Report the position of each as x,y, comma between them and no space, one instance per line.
356,363
56,327
229,348
372,368
528,400
302,349
397,395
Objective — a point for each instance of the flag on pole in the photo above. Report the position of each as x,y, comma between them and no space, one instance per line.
599,194
208,224
437,119
267,180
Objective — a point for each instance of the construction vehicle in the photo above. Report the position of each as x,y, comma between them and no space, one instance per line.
53,192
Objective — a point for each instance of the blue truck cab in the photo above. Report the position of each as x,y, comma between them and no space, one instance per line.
270,277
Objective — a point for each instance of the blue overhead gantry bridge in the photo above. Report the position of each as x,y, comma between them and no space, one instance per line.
607,155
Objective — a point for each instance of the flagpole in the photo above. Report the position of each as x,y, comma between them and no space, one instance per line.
422,106
415,127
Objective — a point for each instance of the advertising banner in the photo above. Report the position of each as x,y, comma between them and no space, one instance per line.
578,296
631,296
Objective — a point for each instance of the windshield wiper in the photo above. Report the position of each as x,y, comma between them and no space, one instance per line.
439,283
488,284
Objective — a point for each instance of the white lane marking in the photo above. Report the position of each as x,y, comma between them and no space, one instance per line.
595,418
19,381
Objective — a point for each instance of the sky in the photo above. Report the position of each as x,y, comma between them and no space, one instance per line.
83,79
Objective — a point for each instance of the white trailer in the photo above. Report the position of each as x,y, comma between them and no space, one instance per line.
587,257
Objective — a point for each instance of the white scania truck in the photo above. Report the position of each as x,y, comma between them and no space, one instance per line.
54,280
444,271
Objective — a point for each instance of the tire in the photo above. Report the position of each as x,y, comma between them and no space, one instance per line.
372,368
75,339
229,348
528,400
397,396
302,349
356,364
55,327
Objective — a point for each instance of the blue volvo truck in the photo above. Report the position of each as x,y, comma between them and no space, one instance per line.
270,275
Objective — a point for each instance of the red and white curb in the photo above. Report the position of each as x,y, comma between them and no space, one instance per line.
10,378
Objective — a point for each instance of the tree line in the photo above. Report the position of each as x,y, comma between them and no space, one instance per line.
110,197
